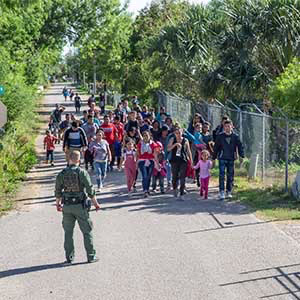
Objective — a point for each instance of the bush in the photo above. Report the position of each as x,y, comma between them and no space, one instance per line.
17,153
285,92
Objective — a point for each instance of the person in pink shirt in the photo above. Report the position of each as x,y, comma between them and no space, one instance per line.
129,159
204,164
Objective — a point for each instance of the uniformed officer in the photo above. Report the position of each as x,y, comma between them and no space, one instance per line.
73,184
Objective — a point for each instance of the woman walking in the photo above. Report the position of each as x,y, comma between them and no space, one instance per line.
180,155
102,156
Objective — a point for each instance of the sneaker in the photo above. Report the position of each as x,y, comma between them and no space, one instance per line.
134,190
146,195
68,261
162,192
176,193
222,196
101,185
93,260
52,164
180,198
228,195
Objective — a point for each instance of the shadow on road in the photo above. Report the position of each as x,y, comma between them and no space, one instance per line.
25,270
287,280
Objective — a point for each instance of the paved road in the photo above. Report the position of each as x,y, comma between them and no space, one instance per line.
149,248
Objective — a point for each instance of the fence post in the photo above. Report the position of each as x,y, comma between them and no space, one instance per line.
263,147
287,158
241,124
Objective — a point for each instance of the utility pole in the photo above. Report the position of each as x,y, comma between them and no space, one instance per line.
94,62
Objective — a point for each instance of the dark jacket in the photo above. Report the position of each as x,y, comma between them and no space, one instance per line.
217,131
226,147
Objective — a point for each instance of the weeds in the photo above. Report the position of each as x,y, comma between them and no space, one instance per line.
17,154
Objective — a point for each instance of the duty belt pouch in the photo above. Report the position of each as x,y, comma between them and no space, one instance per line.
72,200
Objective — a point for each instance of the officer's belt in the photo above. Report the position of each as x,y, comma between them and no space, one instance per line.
74,199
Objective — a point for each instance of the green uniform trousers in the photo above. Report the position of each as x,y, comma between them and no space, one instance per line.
71,213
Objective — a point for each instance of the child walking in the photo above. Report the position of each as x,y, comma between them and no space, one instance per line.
49,141
159,172
129,159
204,164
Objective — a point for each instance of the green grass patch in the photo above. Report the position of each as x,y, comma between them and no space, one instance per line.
17,154
267,202
270,203
109,107
81,89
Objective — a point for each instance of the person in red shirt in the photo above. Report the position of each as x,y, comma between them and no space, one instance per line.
118,142
111,136
49,141
147,153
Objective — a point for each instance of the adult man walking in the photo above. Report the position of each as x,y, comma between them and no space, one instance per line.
74,139
56,118
73,185
225,149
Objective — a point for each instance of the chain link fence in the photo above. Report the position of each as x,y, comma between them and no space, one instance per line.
271,142
179,108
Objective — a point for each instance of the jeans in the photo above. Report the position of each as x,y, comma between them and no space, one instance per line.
50,154
169,173
118,153
228,166
100,169
146,172
161,180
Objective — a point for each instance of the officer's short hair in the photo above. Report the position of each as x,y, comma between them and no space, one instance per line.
74,156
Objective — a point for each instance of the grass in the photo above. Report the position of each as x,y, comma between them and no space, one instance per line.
109,107
267,202
81,89
17,153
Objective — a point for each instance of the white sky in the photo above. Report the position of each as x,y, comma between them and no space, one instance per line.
137,5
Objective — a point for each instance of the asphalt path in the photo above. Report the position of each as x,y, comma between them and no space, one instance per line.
155,248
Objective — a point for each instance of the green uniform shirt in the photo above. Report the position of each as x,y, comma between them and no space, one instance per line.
85,183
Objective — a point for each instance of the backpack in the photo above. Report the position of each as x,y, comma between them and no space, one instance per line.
73,193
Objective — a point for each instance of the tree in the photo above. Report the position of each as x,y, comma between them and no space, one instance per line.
285,91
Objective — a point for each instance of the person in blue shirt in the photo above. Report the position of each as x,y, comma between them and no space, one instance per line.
197,139
162,114
197,119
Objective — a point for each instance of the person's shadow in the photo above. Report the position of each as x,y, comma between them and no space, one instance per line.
25,270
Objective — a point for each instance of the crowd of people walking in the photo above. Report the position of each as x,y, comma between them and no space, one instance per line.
134,138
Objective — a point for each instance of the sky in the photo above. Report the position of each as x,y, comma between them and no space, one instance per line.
136,5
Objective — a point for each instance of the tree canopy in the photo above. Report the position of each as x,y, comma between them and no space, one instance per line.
225,49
